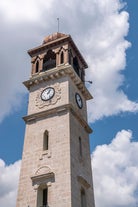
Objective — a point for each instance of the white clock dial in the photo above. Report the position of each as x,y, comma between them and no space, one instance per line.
47,93
79,100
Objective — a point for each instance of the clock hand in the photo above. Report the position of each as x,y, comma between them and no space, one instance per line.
79,99
48,91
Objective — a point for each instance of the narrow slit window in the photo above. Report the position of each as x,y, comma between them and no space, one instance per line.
83,198
62,57
80,147
45,197
45,140
76,65
42,197
70,57
37,67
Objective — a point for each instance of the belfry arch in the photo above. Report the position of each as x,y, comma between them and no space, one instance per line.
49,60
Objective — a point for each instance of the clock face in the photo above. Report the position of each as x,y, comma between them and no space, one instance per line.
47,93
79,100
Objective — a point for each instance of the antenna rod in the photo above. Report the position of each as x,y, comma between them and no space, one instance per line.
88,82
58,24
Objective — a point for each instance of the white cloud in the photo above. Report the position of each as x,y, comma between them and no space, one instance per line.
98,28
21,11
9,176
115,172
107,48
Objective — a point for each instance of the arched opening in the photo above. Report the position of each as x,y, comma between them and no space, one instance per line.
70,56
80,147
45,195
45,140
76,65
82,74
83,198
42,197
49,60
62,58
37,67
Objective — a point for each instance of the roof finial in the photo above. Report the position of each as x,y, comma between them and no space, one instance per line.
58,24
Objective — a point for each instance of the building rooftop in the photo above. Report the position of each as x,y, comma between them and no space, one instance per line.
53,37
54,40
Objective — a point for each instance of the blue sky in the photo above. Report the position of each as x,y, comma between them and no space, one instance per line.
106,34
105,129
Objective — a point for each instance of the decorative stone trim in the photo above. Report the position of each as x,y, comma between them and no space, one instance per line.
83,181
59,71
48,184
43,175
36,187
46,153
64,108
40,103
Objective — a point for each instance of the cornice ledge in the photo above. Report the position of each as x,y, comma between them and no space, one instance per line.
58,72
81,120
42,176
64,108
83,181
43,114
47,45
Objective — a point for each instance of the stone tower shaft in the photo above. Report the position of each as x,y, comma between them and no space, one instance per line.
56,165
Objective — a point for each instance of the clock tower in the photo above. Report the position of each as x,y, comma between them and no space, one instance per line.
56,165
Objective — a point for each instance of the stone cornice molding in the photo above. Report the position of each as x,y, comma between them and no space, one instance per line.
83,181
58,72
43,176
57,110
